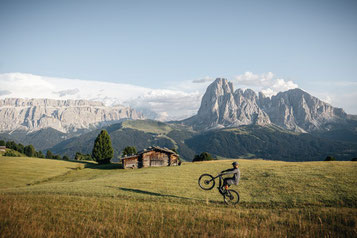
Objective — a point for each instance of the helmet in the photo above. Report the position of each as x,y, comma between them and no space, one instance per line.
235,163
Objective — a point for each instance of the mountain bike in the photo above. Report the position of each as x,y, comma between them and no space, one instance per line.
207,182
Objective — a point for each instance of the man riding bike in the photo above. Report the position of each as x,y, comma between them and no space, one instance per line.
231,180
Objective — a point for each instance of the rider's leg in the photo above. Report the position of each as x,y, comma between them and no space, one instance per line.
225,185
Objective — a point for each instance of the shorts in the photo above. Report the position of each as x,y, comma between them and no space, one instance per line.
228,181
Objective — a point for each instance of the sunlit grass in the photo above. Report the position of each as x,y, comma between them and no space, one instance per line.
277,199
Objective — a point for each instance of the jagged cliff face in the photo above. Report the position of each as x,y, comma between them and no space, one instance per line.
295,109
221,106
62,115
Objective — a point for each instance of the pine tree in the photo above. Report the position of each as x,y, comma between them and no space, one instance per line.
102,150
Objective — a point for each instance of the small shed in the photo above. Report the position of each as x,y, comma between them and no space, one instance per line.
151,157
2,148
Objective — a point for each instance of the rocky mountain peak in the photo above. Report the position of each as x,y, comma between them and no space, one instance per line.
62,115
294,109
221,106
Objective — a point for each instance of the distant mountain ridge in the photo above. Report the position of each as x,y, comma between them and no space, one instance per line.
294,109
63,115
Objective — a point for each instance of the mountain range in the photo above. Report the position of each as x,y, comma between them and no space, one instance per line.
66,116
295,110
290,126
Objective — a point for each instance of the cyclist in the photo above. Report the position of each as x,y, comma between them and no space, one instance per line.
231,180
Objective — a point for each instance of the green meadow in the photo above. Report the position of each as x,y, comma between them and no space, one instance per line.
53,198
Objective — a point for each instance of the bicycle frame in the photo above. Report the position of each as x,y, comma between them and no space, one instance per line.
220,180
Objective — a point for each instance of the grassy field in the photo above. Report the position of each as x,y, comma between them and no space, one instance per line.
49,198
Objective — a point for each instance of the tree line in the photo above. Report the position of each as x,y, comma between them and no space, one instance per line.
18,149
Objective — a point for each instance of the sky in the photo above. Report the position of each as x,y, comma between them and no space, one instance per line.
159,56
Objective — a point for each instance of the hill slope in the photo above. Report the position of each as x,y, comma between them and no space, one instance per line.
279,198
269,142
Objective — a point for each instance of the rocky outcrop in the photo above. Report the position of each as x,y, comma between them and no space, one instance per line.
62,115
299,111
295,109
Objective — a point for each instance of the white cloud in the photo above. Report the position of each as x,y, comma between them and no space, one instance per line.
203,80
266,83
4,92
67,92
165,104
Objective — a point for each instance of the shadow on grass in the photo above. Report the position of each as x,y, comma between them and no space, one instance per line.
103,166
150,193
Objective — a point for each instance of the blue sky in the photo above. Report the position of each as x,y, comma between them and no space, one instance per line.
163,44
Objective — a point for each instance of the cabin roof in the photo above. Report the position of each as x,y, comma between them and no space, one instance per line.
151,148
130,156
157,148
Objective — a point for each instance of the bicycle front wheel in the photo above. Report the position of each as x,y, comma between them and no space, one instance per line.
231,197
206,181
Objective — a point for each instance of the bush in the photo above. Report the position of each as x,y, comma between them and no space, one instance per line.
11,145
80,156
65,157
39,154
204,156
330,158
57,157
354,159
11,153
2,143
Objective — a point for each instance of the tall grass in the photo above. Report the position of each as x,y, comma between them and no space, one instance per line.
278,199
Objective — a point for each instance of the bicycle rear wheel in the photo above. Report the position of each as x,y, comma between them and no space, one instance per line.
231,197
206,181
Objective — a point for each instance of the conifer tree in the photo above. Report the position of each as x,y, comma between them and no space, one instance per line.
102,150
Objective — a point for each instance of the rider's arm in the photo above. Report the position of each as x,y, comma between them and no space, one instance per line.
229,171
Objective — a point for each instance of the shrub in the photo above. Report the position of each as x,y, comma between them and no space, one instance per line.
39,154
11,153
11,145
354,159
2,143
65,157
56,157
80,156
330,158
204,156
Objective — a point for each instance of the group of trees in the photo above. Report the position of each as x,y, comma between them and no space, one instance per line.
80,156
103,151
129,150
28,150
204,156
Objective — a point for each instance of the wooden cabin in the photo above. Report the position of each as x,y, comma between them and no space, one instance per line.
151,157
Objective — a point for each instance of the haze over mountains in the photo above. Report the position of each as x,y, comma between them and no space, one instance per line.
291,126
